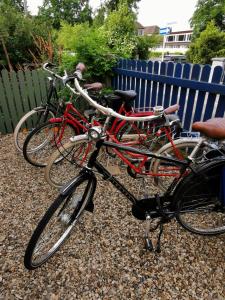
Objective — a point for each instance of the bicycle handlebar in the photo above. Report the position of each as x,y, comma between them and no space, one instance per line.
77,75
106,110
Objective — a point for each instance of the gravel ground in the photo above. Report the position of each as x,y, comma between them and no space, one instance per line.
108,262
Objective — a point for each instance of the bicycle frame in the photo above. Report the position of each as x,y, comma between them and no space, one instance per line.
94,163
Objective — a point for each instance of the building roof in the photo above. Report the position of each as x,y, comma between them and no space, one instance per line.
139,26
180,32
151,29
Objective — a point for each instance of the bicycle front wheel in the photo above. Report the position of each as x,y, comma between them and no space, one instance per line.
28,123
200,200
44,140
67,161
57,223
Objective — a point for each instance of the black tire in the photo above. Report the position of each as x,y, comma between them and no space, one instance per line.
67,210
200,206
44,140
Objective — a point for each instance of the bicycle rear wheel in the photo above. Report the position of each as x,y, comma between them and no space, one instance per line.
29,122
57,223
44,140
200,200
164,171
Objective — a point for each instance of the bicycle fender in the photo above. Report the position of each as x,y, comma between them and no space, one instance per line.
84,175
38,108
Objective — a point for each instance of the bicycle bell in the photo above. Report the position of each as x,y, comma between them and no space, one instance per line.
158,110
95,133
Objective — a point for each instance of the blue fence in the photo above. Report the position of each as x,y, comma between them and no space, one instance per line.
199,90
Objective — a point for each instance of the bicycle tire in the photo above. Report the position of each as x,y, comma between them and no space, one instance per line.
184,147
71,207
199,202
20,134
39,155
57,174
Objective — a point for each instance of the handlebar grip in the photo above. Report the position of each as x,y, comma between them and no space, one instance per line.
81,67
49,64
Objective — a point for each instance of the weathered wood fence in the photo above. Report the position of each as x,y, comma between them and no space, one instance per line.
19,93
199,90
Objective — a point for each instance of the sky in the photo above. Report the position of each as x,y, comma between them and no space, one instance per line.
173,13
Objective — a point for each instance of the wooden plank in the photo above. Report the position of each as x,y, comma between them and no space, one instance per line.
133,81
138,83
9,97
161,86
120,64
124,77
5,120
183,91
143,85
36,87
169,74
128,77
17,97
201,95
43,84
155,84
177,74
216,78
24,95
220,111
170,80
148,86
23,91
30,89
191,97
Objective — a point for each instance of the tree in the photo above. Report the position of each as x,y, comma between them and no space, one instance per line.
120,30
206,11
89,44
145,43
17,4
71,11
209,44
114,4
17,34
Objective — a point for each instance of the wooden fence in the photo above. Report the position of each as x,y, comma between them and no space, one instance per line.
199,90
19,93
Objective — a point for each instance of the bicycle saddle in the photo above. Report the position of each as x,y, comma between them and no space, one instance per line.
95,86
171,109
213,128
126,95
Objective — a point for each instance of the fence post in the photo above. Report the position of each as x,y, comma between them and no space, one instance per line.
219,61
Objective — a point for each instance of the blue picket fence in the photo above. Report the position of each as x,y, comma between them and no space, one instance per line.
198,89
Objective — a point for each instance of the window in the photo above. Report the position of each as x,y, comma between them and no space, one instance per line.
170,38
140,31
181,38
188,37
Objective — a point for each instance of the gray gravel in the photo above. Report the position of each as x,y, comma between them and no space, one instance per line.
108,263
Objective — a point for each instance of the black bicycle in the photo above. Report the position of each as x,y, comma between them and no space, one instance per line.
196,198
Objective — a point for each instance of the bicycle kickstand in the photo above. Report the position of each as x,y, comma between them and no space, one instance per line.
158,245
148,242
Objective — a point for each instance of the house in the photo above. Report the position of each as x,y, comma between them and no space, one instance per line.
146,30
178,41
